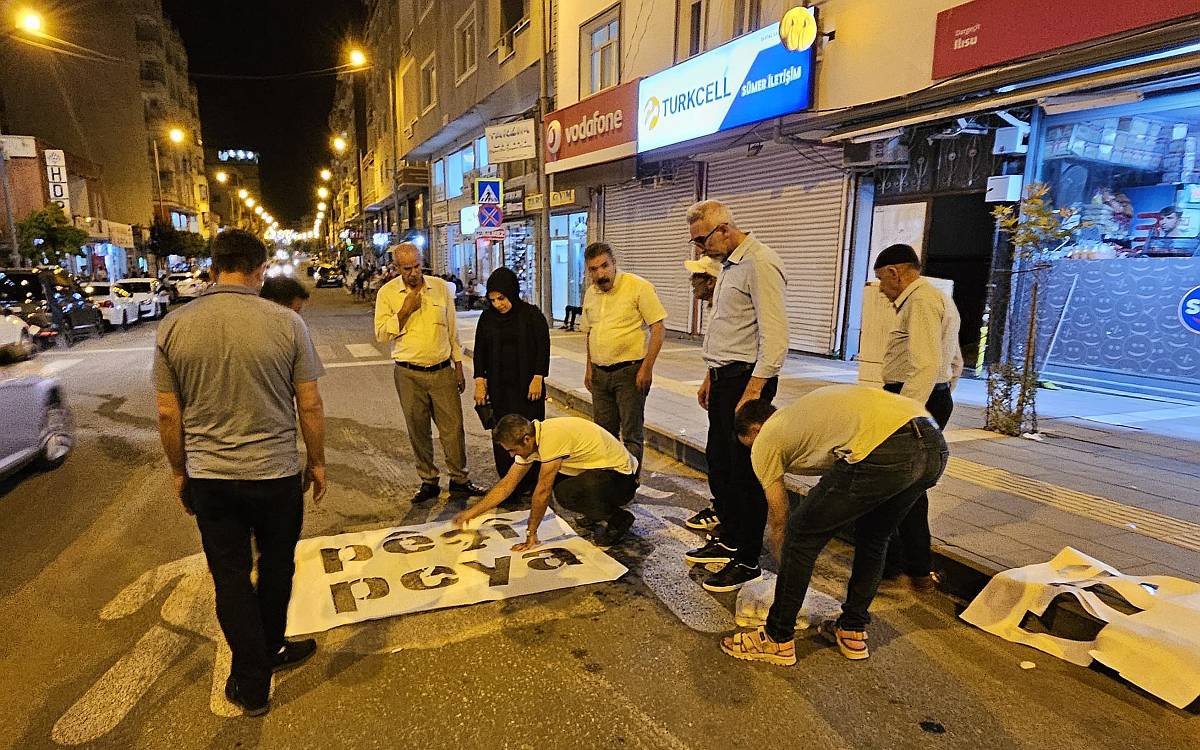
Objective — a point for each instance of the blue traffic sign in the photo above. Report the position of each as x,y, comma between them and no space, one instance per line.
490,217
489,191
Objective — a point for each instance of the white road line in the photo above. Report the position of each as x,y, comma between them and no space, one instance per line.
332,365
56,366
363,351
112,351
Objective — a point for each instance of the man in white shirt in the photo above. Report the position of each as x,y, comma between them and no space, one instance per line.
618,308
875,453
589,471
416,313
923,362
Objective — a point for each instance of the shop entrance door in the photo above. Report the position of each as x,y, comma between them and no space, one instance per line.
959,248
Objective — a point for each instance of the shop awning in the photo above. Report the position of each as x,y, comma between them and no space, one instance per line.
1124,78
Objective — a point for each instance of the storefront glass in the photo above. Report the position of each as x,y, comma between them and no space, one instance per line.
1113,295
568,240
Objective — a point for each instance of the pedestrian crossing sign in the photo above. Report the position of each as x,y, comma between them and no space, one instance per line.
489,191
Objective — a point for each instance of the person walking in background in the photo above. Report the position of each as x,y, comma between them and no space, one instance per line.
512,360
922,362
875,454
744,349
618,308
231,371
285,291
416,314
704,272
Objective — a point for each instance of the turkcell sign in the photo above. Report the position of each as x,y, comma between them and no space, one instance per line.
750,79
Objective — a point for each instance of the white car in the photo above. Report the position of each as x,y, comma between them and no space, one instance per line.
118,306
186,285
16,338
38,426
151,296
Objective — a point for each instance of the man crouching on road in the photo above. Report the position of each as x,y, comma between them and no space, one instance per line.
589,471
876,453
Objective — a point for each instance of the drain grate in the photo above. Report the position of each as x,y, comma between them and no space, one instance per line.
1147,523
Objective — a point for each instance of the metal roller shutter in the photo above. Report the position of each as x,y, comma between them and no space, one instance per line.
796,206
646,227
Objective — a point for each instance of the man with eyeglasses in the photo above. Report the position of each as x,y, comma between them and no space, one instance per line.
744,350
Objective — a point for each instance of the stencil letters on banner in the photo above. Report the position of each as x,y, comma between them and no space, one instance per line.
497,573
347,594
551,559
332,556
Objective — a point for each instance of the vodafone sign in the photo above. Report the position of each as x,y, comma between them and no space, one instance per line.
597,129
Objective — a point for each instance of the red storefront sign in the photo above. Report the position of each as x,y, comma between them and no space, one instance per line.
983,33
598,129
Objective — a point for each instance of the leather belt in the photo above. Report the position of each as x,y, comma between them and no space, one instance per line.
917,424
731,370
897,387
617,365
423,368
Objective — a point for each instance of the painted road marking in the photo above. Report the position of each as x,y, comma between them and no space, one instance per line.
363,351
56,366
965,434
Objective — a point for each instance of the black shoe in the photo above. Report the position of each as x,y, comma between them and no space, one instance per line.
705,520
252,705
616,527
466,489
294,653
731,577
713,551
428,491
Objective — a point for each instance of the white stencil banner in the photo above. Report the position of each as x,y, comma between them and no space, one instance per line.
370,575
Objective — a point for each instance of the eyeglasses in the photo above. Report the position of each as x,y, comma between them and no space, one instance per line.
702,242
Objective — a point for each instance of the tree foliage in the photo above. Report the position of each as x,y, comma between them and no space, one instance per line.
48,235
167,240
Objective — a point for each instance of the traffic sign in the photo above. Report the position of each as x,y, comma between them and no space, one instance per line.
490,217
489,191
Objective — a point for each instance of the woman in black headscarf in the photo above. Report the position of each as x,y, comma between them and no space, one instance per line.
512,359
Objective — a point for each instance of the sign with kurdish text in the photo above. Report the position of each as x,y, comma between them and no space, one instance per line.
370,575
753,78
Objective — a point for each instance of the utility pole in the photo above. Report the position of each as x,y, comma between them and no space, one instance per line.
8,206
543,108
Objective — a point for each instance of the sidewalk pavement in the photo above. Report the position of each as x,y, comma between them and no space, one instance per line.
1115,477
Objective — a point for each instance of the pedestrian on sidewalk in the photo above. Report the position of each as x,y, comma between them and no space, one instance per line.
512,360
618,308
416,314
231,371
587,468
744,349
704,272
876,453
285,291
922,361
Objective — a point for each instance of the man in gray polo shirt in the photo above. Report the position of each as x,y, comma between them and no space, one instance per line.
230,371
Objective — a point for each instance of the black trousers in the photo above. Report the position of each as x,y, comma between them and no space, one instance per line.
511,398
738,498
596,493
253,617
909,550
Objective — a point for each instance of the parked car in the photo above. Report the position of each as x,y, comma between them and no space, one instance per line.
16,338
329,276
185,286
52,301
38,427
151,296
118,306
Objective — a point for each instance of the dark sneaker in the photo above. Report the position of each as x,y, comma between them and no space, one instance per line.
705,520
466,489
926,584
251,705
615,529
731,577
713,551
294,653
428,491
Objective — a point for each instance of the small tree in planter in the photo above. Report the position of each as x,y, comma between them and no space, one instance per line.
47,235
1037,231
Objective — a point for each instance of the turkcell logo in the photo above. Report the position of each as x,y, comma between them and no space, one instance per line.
1189,310
754,77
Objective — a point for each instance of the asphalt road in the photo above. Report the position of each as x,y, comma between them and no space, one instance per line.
107,636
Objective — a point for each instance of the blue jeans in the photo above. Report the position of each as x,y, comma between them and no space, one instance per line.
876,492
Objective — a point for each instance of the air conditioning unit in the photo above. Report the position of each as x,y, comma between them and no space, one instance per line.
881,153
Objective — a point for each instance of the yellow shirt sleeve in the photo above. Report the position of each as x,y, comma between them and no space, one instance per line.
649,305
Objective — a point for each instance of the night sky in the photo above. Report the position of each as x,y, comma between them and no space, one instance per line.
283,120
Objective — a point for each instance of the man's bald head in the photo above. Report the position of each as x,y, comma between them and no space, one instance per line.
406,251
407,258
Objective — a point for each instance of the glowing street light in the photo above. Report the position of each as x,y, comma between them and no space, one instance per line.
326,175
243,193
29,21
222,177
249,203
322,192
357,58
339,144
176,135
258,210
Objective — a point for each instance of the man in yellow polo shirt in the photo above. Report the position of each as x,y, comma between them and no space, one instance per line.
416,314
589,471
876,453
618,307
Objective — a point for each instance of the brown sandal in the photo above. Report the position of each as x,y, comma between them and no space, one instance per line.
756,645
852,643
